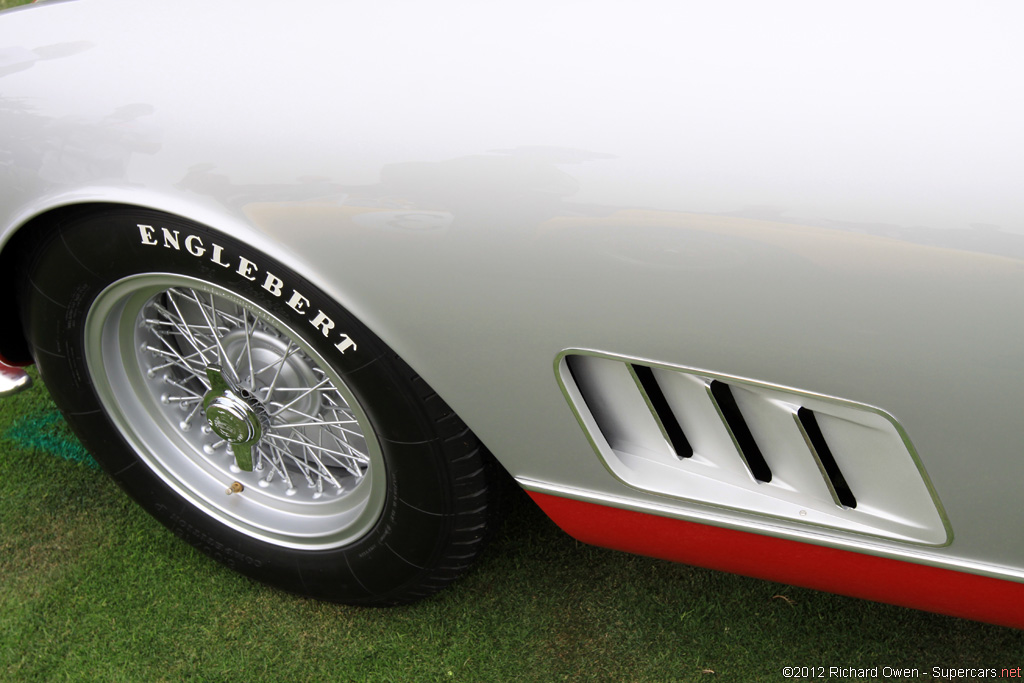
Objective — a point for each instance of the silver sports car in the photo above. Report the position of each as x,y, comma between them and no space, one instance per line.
741,294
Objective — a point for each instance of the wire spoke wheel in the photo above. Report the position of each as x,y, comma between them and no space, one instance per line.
154,341
250,412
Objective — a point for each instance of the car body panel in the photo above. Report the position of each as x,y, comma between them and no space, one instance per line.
817,197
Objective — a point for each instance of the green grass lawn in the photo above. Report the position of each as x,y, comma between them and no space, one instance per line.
93,588
4,4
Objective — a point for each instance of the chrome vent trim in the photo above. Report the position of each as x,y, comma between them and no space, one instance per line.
753,447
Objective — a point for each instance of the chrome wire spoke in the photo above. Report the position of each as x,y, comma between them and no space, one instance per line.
295,400
190,357
270,388
277,464
350,460
177,362
183,399
353,452
187,422
185,330
307,443
180,323
320,469
343,410
315,422
248,344
325,423
184,388
213,331
231,321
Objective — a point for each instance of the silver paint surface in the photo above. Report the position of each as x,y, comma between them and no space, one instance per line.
812,195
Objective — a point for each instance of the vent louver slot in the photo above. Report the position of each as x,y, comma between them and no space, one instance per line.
837,485
623,416
750,447
740,432
663,411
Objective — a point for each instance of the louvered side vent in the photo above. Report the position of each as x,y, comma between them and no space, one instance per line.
753,447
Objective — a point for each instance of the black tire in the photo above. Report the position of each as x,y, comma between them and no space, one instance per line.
407,518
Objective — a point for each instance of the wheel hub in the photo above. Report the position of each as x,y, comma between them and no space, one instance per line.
232,418
267,350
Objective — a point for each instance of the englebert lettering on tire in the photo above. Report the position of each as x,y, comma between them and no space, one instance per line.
172,239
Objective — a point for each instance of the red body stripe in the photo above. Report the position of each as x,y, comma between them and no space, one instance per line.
837,571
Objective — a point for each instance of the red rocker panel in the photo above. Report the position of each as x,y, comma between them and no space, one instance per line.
828,569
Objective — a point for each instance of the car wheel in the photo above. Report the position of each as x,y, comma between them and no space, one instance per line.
250,413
